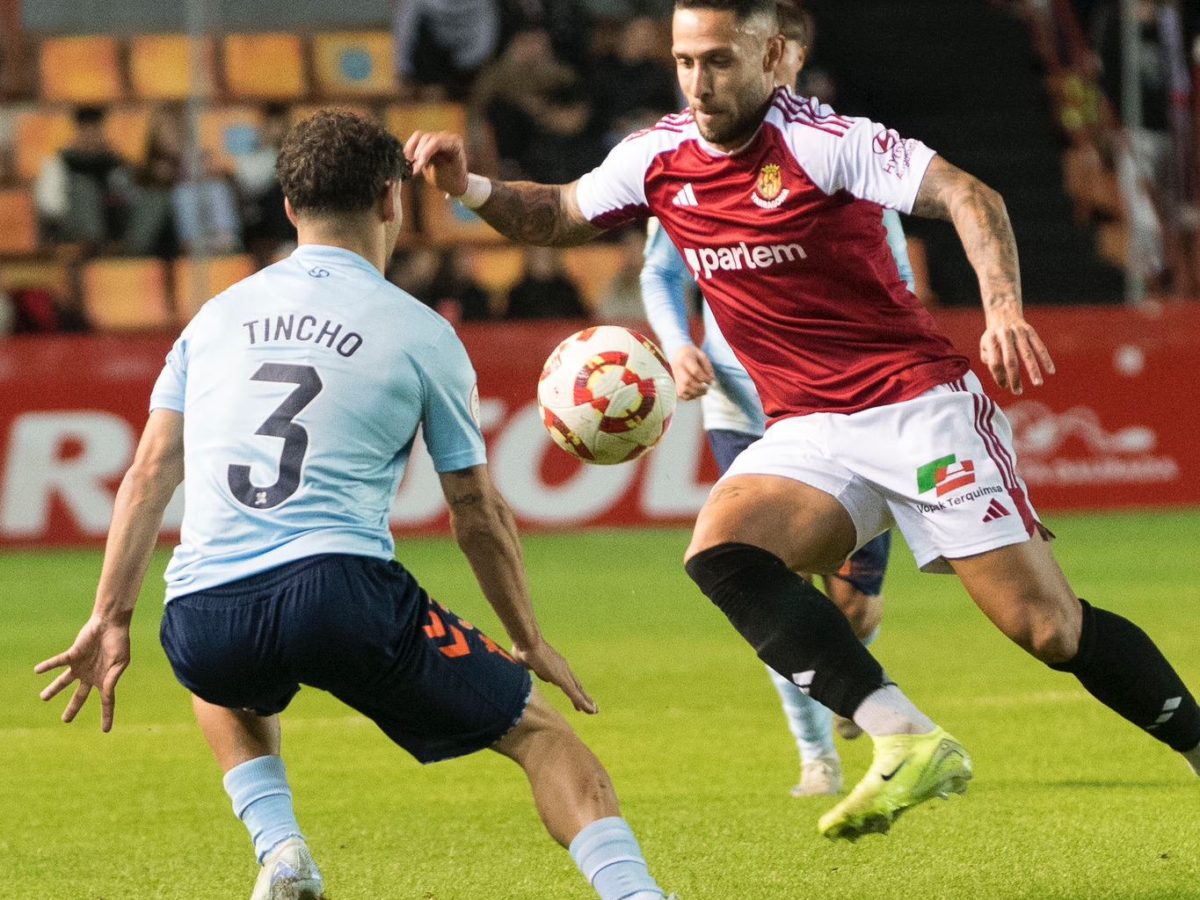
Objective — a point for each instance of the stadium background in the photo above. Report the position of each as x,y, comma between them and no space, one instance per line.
1022,93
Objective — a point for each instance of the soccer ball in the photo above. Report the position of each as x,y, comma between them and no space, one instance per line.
606,395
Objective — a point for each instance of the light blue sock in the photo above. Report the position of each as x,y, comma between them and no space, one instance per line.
263,801
811,723
610,859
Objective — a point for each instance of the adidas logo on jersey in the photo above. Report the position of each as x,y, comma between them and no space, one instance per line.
686,196
706,260
995,510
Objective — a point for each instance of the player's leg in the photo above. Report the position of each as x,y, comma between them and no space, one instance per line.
246,746
856,589
810,723
1024,592
577,803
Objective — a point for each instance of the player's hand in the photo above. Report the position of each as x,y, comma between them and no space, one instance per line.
97,659
441,157
549,665
1010,344
693,372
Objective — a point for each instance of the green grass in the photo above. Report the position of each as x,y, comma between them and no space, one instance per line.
1068,801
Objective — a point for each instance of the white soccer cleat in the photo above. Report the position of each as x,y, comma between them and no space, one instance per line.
820,777
289,873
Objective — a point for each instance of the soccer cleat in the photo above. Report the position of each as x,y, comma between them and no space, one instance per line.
907,770
847,729
289,873
819,777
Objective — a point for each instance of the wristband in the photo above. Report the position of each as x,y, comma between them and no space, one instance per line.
479,189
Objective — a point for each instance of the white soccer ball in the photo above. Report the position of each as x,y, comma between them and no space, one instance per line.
606,395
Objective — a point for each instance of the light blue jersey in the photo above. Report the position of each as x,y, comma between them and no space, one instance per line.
302,389
733,405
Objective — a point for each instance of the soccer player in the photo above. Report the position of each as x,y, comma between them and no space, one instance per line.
875,419
733,420
292,401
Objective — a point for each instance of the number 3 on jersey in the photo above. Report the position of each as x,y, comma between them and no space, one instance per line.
280,424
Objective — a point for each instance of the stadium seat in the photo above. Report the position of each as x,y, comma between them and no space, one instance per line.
402,119
592,268
228,132
353,64
80,69
126,294
497,269
39,134
196,282
265,67
160,67
126,129
39,274
448,222
18,223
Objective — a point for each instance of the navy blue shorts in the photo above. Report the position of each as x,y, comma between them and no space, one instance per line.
864,570
361,629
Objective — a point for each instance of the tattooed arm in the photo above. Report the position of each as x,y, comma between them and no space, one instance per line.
983,226
546,215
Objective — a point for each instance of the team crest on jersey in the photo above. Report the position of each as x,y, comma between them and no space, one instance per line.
770,192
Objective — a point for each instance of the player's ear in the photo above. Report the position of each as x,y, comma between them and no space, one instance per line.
290,212
774,53
389,203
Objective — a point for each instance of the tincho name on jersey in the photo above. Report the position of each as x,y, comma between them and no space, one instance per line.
308,329
706,260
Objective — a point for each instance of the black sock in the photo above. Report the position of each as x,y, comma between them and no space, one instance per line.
1123,669
794,628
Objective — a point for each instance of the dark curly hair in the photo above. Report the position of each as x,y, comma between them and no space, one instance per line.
336,161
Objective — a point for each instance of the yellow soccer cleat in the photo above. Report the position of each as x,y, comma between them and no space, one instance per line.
908,769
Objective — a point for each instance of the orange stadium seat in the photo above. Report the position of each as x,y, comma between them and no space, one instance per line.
402,119
160,67
80,69
497,269
265,67
126,128
18,223
448,222
126,294
40,134
229,132
353,64
196,282
39,274
592,268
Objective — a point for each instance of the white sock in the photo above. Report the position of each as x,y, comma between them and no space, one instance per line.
887,711
1193,758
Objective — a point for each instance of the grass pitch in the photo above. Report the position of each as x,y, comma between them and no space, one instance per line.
1068,800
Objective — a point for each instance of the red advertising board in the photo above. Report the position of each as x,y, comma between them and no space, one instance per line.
1116,427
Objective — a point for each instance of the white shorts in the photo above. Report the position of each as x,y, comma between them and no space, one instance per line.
940,467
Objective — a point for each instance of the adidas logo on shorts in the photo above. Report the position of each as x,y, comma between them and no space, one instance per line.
995,511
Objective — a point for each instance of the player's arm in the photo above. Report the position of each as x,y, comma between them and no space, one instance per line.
546,215
100,653
664,281
486,531
981,219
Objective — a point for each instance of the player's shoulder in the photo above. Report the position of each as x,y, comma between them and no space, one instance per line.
666,134
807,118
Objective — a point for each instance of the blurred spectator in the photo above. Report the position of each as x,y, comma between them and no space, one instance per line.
152,230
8,312
545,291
566,22
414,269
206,213
512,92
565,141
266,224
814,80
622,298
35,310
636,82
83,191
442,44
454,292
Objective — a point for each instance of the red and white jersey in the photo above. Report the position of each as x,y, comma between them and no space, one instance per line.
786,240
